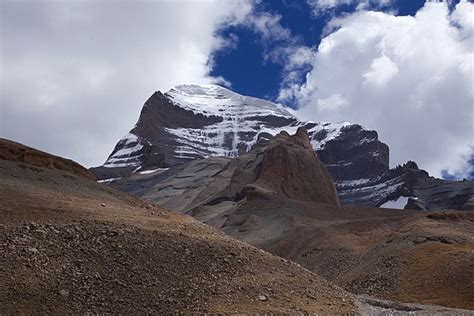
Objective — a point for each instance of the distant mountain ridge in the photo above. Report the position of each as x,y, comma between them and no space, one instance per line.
192,122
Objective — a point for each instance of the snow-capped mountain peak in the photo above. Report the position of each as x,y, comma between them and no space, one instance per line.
198,121
216,100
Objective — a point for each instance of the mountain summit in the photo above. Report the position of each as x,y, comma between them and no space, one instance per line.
192,122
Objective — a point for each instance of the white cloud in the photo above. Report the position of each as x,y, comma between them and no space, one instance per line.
275,39
74,74
409,78
382,70
332,103
463,17
296,60
319,6
268,26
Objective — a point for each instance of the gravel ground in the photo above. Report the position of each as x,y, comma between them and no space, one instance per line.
70,245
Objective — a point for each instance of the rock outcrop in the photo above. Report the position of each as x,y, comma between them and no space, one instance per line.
291,168
30,157
356,153
285,167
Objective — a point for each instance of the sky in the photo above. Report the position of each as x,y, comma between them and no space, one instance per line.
75,74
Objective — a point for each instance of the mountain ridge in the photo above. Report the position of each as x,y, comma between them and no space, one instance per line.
192,122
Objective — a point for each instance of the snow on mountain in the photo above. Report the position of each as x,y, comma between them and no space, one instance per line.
241,119
127,154
192,122
399,203
217,100
198,121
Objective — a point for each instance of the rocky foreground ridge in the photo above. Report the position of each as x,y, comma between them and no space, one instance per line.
192,122
29,157
71,245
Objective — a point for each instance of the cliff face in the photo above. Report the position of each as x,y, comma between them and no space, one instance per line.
285,167
190,122
292,169
356,153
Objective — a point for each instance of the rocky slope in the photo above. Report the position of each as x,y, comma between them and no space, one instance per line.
71,245
30,158
285,167
279,197
192,122
408,187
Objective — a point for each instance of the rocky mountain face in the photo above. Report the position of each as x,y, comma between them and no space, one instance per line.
191,122
411,188
290,168
280,197
285,167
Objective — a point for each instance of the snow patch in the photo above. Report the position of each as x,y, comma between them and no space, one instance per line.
399,203
127,155
107,181
153,170
353,183
216,100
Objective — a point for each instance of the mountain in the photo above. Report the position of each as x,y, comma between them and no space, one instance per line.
280,197
285,167
192,122
70,245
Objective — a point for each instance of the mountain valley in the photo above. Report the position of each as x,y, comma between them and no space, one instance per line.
221,203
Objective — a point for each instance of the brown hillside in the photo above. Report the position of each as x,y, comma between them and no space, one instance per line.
70,245
19,153
396,255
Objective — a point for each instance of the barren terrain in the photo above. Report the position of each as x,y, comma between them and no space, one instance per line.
423,257
70,245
